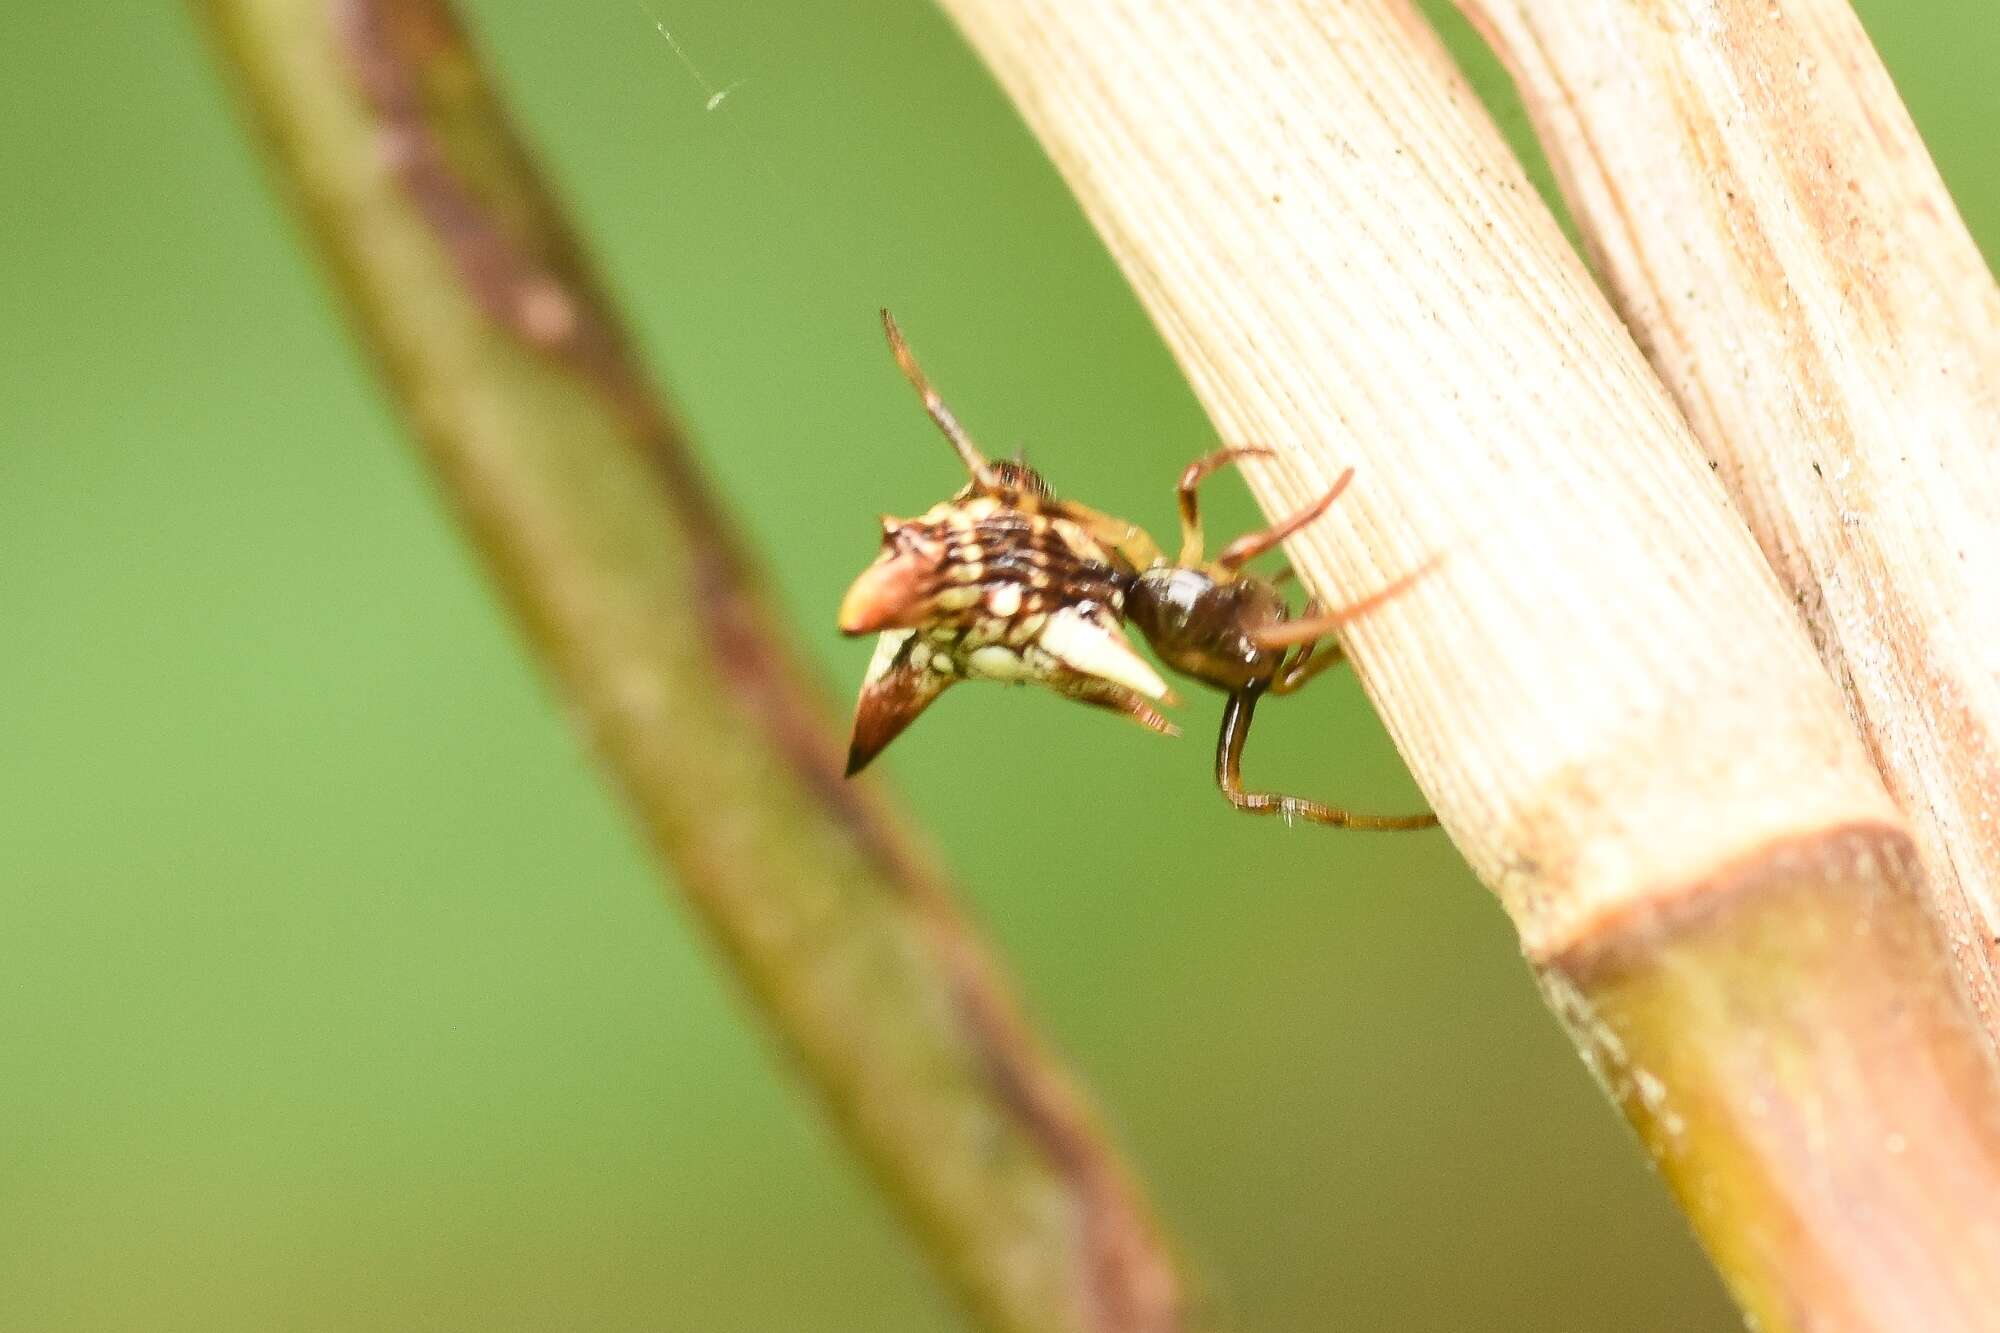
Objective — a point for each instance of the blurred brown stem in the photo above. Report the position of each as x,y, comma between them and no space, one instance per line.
467,287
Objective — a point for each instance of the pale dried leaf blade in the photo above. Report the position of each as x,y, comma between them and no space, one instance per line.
1776,234
1603,689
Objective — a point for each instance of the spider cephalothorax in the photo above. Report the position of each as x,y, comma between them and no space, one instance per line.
1006,582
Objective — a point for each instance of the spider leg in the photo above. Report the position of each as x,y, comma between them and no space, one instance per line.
1248,547
1313,657
1318,624
1236,716
1124,538
968,452
1192,477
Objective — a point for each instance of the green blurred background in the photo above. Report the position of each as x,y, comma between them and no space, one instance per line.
335,992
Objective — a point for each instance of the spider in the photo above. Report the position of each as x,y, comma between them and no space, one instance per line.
1004,581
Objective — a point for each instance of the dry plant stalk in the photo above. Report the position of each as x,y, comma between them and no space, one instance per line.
1775,234
1603,689
468,288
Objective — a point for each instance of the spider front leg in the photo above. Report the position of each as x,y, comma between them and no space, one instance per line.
1248,547
1313,657
1317,623
1184,494
1236,715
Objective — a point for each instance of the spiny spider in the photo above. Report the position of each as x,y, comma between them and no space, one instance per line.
1006,582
